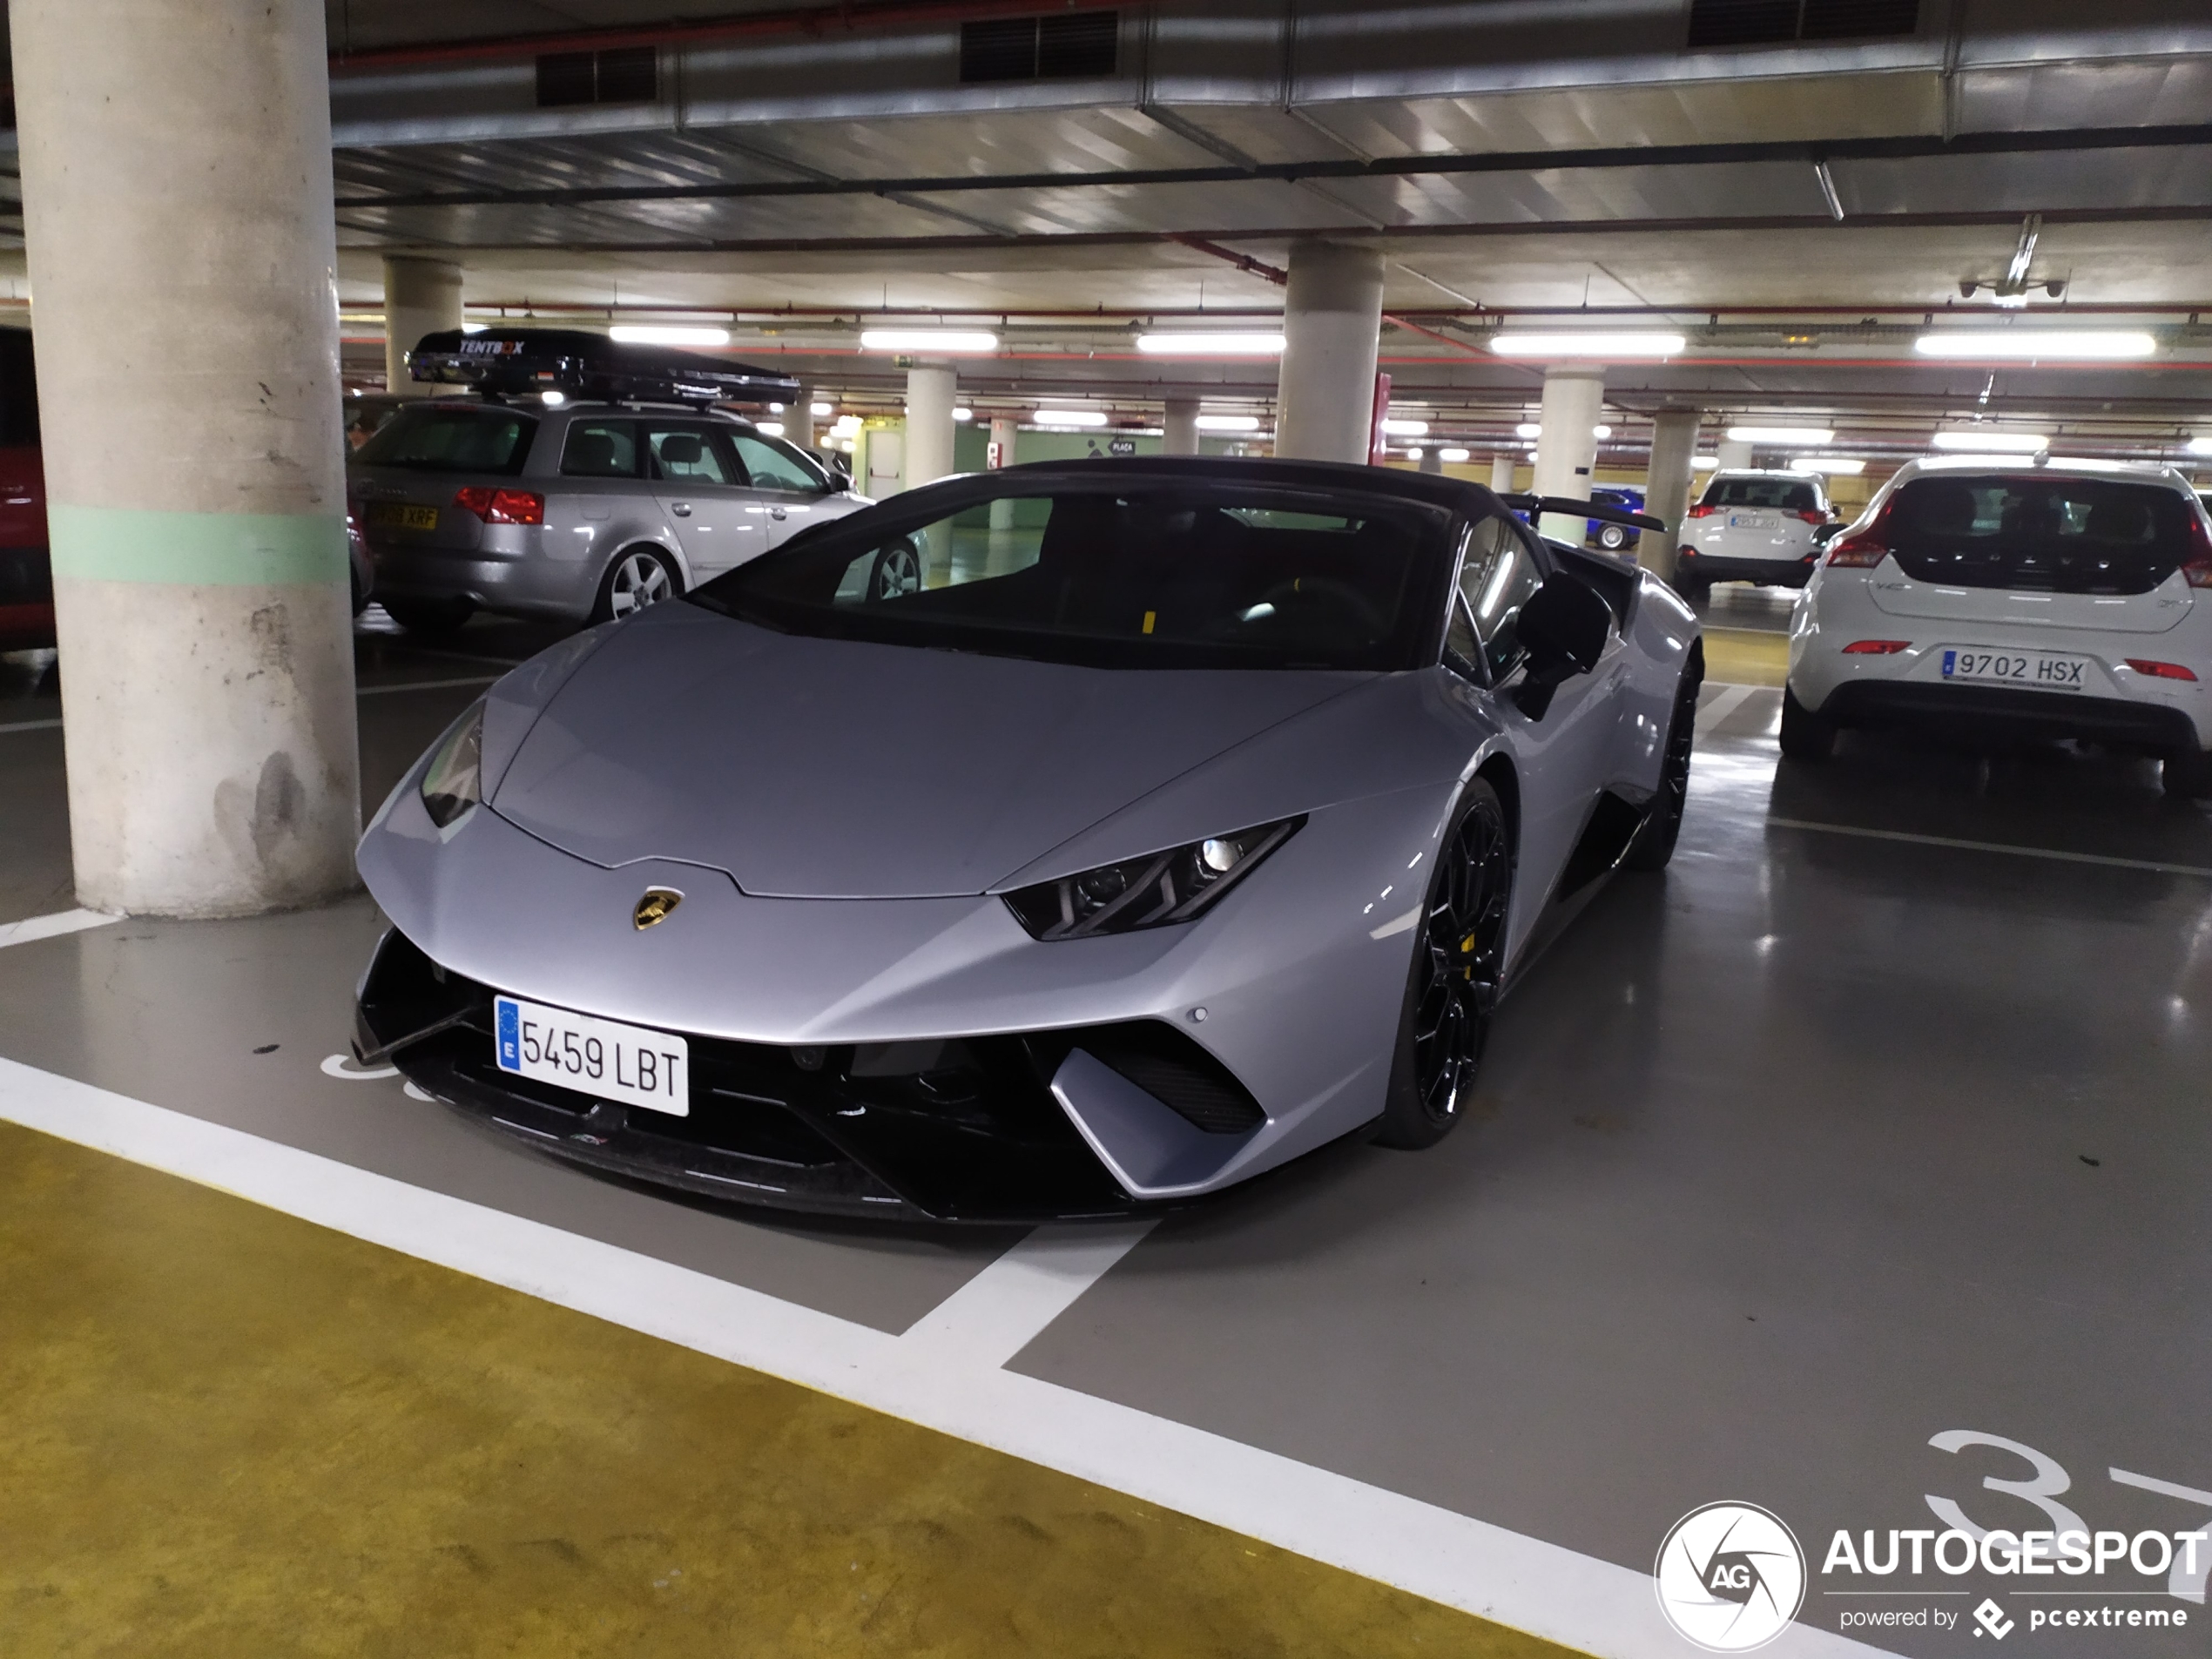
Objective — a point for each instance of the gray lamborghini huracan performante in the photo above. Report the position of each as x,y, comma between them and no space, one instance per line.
1066,840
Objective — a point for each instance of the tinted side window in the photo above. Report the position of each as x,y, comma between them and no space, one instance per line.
601,449
688,455
1496,579
770,466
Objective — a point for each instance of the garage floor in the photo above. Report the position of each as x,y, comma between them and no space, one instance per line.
1878,1121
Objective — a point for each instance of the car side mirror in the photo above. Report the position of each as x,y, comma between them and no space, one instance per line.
1562,627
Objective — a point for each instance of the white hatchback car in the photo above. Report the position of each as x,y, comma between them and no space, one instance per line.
1763,527
2054,601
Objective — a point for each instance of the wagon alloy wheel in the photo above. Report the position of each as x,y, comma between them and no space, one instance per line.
1458,960
640,577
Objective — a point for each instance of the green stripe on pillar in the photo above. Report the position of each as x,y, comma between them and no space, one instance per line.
197,550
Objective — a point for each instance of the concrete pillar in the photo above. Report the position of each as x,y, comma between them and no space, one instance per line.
1005,433
421,296
930,388
1332,323
1181,436
798,419
177,188
1566,453
1666,487
1501,473
1734,454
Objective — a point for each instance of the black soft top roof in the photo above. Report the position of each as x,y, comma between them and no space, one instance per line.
509,361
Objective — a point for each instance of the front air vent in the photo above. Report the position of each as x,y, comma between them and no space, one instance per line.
1177,1072
626,75
1765,22
1071,45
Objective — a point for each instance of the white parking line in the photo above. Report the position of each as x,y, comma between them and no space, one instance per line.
1723,703
1005,1307
29,725
1560,1594
63,921
1992,846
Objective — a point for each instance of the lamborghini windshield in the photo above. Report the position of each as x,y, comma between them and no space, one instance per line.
1128,573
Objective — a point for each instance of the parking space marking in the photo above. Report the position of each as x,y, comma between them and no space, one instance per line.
29,725
1724,702
1006,1307
1545,1589
424,685
2152,864
63,921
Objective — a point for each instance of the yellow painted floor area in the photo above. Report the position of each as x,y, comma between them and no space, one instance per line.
1746,656
231,1432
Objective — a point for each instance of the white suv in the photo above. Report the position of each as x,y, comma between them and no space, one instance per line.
1763,527
2054,601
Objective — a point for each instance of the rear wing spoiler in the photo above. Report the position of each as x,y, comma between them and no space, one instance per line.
517,361
1604,512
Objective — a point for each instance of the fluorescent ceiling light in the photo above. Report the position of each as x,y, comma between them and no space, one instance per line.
773,428
775,408
2200,445
1211,345
474,328
963,415
553,398
942,341
1601,433
1406,428
1830,466
1781,435
1070,417
654,334
1528,429
1596,347
1452,454
821,410
2049,344
1983,441
1228,423
847,425
1989,459
1704,464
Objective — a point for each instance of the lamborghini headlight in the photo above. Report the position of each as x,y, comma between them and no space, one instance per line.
1152,892
453,782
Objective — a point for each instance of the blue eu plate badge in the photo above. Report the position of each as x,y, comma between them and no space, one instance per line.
509,1020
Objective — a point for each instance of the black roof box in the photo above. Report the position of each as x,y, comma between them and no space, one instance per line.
508,362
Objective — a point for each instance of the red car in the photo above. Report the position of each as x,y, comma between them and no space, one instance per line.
26,575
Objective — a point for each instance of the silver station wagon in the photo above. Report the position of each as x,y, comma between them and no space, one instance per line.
570,511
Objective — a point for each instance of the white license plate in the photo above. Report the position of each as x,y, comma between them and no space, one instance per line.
1752,521
2037,670
597,1057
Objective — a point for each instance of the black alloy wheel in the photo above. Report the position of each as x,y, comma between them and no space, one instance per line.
1458,961
1654,841
1804,736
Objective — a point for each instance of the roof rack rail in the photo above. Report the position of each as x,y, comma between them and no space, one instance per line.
506,362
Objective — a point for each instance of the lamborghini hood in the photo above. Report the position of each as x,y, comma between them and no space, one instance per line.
821,768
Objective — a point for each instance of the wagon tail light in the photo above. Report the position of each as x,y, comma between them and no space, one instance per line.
2198,567
1870,547
1178,885
500,506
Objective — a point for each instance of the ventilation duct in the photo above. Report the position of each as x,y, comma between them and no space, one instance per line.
1074,45
1763,23
625,75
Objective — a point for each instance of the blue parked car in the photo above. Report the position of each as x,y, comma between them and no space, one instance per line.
1616,538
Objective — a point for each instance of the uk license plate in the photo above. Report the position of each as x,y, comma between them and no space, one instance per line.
2037,670
401,516
597,1057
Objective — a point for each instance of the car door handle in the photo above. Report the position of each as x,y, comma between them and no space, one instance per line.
776,512
681,509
